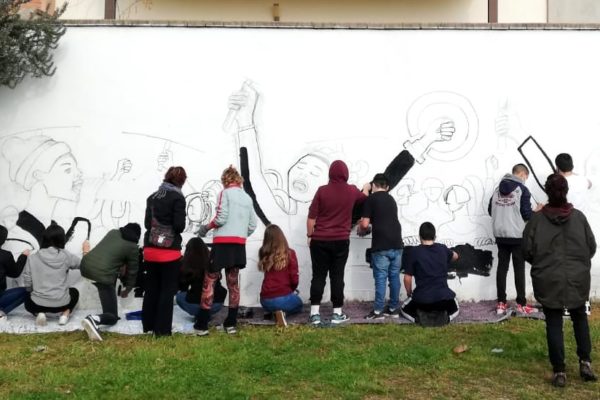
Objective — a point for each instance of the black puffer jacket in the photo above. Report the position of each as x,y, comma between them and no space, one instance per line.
168,207
559,244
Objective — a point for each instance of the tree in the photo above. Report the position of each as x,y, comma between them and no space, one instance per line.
27,42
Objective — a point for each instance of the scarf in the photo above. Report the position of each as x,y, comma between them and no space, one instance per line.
166,187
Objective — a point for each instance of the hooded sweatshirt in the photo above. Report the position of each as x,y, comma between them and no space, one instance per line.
333,203
46,274
510,208
559,244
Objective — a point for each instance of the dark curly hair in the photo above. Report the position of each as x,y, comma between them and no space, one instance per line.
556,188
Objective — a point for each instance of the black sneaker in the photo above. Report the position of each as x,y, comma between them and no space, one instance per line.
91,328
374,315
559,379
585,371
394,313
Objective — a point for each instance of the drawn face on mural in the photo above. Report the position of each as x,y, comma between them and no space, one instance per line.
63,180
433,189
195,208
305,177
404,192
456,197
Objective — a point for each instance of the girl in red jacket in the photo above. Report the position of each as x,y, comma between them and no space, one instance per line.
280,265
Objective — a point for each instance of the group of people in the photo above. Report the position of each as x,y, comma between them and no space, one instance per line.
555,238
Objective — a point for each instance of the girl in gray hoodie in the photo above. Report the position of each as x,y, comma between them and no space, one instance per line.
45,276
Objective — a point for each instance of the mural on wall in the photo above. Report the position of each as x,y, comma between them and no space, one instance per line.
444,136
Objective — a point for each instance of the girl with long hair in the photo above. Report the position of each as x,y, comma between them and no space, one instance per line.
280,265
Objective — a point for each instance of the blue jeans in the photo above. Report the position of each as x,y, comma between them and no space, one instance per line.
386,267
12,298
290,304
193,308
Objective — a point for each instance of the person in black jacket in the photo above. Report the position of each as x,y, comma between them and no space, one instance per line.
11,298
191,278
559,244
164,222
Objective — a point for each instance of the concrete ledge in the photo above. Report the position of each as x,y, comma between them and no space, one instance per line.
330,25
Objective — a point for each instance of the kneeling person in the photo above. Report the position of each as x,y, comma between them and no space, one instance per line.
102,265
428,263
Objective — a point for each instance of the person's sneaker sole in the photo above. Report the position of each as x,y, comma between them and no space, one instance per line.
41,320
230,330
340,321
91,330
280,319
201,332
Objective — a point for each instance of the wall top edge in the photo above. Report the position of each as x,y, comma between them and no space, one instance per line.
315,25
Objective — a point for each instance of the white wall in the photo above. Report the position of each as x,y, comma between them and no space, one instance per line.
362,96
522,11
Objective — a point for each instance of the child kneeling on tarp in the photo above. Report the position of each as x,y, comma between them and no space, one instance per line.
432,302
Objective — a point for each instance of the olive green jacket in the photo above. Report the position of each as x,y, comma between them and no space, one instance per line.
103,263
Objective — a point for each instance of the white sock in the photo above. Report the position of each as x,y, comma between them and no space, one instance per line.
337,310
314,310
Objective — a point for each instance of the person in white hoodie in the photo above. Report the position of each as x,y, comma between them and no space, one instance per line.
45,276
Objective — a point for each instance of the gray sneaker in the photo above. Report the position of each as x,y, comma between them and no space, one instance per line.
559,379
339,318
585,371
315,319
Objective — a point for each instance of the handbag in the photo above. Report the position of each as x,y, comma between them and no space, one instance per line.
161,235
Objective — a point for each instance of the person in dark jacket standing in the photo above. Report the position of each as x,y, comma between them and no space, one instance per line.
328,229
102,266
559,244
14,297
510,208
164,222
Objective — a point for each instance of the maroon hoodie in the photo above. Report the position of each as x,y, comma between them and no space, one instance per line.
333,203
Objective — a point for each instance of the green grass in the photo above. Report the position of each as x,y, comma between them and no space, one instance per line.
353,362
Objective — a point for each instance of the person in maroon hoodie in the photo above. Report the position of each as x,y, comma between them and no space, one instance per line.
280,265
328,230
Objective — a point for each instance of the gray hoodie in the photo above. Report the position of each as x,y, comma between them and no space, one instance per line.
46,274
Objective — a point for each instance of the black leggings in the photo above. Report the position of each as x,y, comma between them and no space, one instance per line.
555,339
161,286
328,257
35,308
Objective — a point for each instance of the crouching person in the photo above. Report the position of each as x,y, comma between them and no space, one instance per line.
45,277
432,302
102,266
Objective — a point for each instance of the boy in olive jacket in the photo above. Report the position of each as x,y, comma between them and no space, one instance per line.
102,265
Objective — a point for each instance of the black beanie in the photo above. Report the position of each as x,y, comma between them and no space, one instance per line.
131,232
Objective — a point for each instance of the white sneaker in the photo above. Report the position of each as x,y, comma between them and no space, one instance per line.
40,320
63,319
3,317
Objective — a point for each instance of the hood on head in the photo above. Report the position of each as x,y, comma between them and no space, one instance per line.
53,257
338,172
3,234
131,232
558,215
509,183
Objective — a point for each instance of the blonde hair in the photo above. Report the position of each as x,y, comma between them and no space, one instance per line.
231,176
274,253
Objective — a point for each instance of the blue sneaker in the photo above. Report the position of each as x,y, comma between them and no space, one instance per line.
315,319
339,318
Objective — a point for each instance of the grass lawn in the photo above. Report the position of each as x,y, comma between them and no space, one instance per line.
353,362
